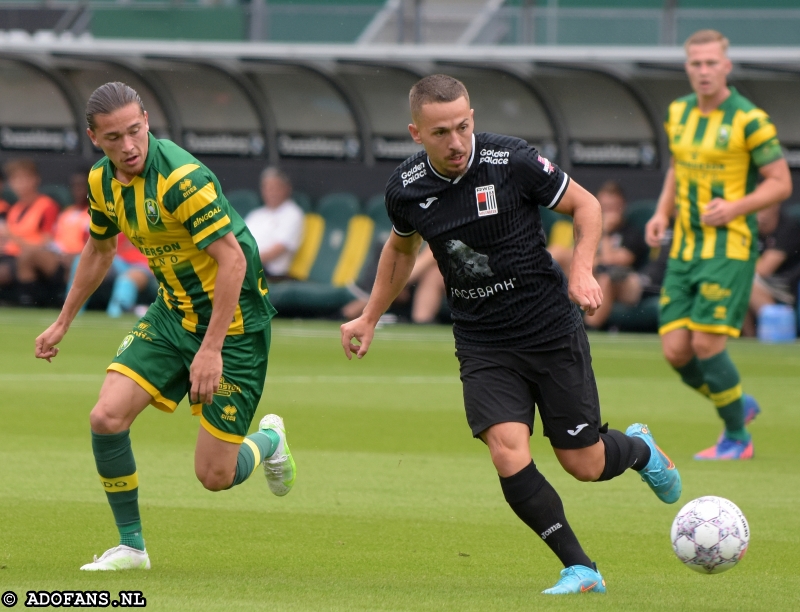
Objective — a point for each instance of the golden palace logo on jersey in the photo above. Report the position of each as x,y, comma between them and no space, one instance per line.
152,211
226,388
206,216
229,413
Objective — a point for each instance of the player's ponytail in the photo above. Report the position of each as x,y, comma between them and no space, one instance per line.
108,98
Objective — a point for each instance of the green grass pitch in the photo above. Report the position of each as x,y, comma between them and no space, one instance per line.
396,507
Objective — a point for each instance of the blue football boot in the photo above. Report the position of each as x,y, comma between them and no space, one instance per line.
578,579
660,473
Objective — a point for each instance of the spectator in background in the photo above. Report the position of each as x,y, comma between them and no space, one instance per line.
278,225
424,289
28,224
50,263
6,270
777,266
133,276
621,252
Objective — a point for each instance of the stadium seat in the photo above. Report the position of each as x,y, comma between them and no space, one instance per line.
376,210
336,241
303,200
639,212
243,201
60,193
555,225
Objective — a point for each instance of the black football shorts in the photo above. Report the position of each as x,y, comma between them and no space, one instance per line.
505,385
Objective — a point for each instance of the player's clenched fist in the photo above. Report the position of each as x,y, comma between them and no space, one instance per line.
46,342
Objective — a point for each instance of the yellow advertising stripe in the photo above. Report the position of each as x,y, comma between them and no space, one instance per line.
723,398
175,176
211,229
196,202
354,252
159,401
120,484
760,136
96,187
97,229
190,318
709,232
313,231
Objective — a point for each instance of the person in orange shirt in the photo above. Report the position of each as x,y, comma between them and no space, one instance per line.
28,224
50,263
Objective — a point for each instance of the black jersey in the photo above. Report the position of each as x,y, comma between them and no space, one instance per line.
486,234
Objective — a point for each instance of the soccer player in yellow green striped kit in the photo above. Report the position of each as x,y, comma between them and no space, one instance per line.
207,334
720,143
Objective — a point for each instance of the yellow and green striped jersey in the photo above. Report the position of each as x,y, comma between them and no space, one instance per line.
171,213
717,155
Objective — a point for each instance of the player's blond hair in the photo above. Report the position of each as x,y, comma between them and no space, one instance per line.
435,88
702,37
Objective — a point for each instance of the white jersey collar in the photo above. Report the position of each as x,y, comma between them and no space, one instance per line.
458,178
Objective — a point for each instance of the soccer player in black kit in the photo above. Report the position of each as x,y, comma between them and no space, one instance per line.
517,324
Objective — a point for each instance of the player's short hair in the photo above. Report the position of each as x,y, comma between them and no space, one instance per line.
21,165
702,37
435,88
108,98
275,172
612,188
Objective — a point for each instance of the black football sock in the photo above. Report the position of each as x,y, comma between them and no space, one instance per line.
623,452
536,502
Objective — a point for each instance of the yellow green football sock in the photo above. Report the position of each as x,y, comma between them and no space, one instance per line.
254,449
725,390
117,469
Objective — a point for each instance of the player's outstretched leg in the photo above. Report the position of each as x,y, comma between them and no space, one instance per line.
578,579
660,473
279,468
117,469
119,558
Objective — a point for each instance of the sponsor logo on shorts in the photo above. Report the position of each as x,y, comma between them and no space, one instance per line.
720,312
126,342
550,530
487,202
577,430
714,292
143,326
227,388
229,413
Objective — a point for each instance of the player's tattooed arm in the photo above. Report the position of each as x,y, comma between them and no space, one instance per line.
588,224
394,268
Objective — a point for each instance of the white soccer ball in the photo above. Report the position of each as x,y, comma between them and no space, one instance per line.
710,535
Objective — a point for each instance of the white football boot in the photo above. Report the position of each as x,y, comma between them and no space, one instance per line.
119,558
279,468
